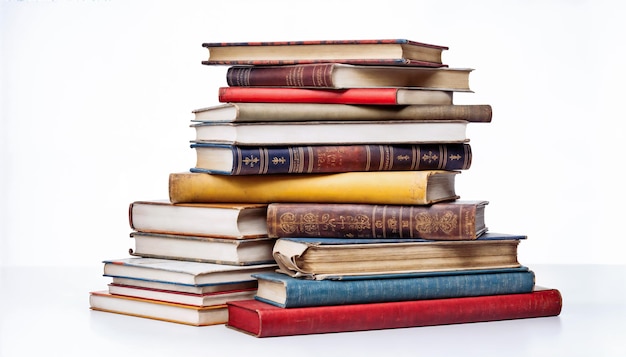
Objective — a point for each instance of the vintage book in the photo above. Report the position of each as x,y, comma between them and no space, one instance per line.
340,76
184,288
239,221
382,187
332,132
374,51
309,159
265,320
371,96
288,292
323,258
207,299
296,112
182,272
158,310
454,220
203,249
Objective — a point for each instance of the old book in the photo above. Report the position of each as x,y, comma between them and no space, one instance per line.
241,221
206,299
182,272
454,220
374,51
370,96
323,258
390,187
262,160
183,288
333,132
338,76
288,292
158,310
294,112
265,320
203,249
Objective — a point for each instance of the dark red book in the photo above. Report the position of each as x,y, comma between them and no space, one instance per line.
264,320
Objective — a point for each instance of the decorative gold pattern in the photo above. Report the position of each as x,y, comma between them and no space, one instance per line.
312,224
455,157
445,222
430,157
278,160
250,160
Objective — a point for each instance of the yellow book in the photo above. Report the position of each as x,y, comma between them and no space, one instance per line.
387,187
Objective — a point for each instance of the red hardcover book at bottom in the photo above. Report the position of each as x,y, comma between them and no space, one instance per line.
264,320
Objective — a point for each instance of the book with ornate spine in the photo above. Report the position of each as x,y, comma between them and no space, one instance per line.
294,112
338,76
288,292
262,160
390,187
261,319
369,96
454,220
361,51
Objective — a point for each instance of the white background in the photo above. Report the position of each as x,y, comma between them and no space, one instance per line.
97,97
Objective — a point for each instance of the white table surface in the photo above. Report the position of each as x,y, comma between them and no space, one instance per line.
45,312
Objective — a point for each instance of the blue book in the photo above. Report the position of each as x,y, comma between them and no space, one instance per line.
323,258
287,292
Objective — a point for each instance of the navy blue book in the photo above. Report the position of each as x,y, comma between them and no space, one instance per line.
321,258
287,292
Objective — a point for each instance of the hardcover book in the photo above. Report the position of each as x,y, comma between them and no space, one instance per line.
383,187
374,51
183,288
341,76
261,319
240,221
309,159
288,292
323,258
158,310
203,249
332,132
182,272
369,96
454,220
295,112
206,299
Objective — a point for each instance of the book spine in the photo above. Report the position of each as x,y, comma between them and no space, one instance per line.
439,221
248,160
275,321
374,96
317,75
302,292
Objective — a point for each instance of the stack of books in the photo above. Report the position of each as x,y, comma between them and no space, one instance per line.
188,261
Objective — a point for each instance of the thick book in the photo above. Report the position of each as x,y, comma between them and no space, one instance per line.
309,159
183,288
228,251
296,112
288,292
240,221
382,187
206,299
369,96
182,272
455,220
158,310
340,76
332,132
361,51
324,258
265,320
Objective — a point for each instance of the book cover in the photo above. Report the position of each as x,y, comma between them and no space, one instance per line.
265,320
288,292
368,96
391,187
454,220
323,258
297,112
177,297
361,51
309,159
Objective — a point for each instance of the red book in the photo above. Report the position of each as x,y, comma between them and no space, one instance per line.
372,96
264,320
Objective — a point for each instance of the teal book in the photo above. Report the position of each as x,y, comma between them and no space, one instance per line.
288,292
